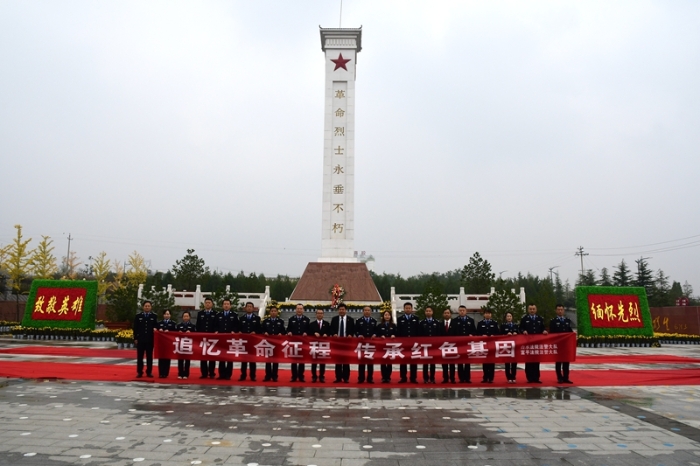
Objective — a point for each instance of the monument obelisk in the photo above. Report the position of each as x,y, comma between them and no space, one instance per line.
338,264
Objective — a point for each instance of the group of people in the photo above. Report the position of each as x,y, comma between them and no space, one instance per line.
343,326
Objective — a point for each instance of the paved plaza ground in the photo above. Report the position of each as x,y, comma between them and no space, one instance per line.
57,422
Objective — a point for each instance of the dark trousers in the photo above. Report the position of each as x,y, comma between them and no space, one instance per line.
511,369
271,369
428,372
386,371
448,373
532,371
361,373
183,367
244,368
163,367
342,372
225,369
562,369
403,370
489,371
321,371
207,368
146,348
464,372
297,372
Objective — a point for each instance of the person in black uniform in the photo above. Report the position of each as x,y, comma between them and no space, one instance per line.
144,324
165,325
385,329
429,327
463,326
408,325
532,324
226,323
488,327
273,325
561,324
207,323
364,328
298,325
510,328
186,326
249,323
319,328
342,326
448,370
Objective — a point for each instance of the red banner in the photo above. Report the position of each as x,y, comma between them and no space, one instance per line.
615,311
328,350
59,303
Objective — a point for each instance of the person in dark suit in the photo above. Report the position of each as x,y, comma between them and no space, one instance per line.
429,328
226,323
364,328
488,327
463,326
385,329
207,323
448,370
320,329
532,324
298,325
165,325
408,325
186,326
144,324
561,324
510,328
273,325
248,323
342,326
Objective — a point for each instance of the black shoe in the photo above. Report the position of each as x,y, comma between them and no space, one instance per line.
162,376
221,378
489,381
274,379
484,381
313,379
322,379
337,381
445,381
414,380
149,375
241,378
266,379
212,376
452,381
360,380
138,376
294,379
402,381
252,379
567,381
370,381
346,381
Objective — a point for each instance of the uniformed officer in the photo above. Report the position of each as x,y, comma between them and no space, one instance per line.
532,324
186,326
561,324
408,325
273,325
429,327
249,323
144,324
385,329
364,328
165,325
488,327
342,326
320,329
226,322
448,370
207,323
463,326
510,328
298,325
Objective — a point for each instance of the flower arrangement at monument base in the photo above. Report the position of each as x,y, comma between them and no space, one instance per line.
612,341
337,292
60,333
677,339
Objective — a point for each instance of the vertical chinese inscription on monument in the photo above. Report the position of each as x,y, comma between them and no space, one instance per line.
338,181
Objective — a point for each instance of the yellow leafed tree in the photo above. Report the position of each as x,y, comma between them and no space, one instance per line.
43,261
101,267
137,270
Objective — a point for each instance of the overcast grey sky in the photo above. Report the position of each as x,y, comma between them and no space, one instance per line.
521,130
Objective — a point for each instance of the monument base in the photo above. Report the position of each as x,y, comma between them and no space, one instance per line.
319,277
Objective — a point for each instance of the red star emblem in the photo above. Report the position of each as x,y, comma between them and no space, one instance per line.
340,62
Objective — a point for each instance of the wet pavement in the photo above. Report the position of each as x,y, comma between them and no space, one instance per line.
63,422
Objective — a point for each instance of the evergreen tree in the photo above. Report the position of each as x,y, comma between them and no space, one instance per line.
644,276
477,275
432,296
622,275
605,279
587,279
503,301
188,271
662,290
675,293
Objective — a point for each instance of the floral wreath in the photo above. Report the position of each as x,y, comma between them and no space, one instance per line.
337,292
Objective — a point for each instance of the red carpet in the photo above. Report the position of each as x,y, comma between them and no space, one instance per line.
122,373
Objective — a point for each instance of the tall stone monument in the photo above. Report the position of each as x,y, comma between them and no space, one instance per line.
338,264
